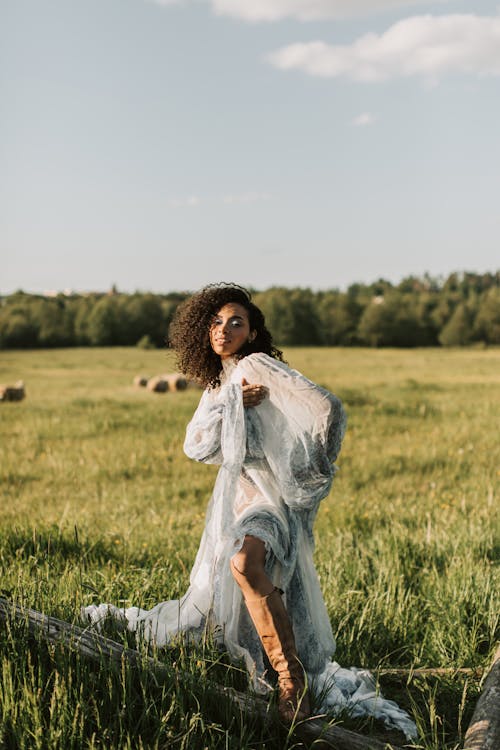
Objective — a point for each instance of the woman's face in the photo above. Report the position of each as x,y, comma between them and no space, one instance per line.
230,330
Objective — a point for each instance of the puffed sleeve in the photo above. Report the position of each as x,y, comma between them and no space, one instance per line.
217,432
300,426
203,433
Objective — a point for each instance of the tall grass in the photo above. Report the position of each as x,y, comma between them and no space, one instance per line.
100,504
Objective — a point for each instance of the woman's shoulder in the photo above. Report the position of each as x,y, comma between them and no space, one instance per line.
257,357
262,361
261,368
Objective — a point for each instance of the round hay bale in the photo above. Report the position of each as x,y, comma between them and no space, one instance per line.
140,381
158,384
176,382
14,392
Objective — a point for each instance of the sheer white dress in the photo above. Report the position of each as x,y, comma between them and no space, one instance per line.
277,465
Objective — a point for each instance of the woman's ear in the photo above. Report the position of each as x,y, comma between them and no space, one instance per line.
253,334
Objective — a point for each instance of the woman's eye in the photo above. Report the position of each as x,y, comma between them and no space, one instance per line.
235,323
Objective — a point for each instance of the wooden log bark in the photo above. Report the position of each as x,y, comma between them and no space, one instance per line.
313,732
484,730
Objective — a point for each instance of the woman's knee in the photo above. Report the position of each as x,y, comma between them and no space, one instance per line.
247,565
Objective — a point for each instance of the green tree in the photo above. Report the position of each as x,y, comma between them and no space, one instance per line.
391,321
380,287
55,321
18,327
444,308
103,327
487,322
458,330
143,314
291,316
424,305
339,315
82,307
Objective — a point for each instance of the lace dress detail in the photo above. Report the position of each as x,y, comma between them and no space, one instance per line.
277,465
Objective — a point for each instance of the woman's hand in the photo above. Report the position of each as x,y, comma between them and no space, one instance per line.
253,395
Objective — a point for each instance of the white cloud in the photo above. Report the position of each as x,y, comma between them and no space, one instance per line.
192,201
307,10
365,118
246,198
428,46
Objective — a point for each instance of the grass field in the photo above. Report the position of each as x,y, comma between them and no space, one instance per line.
100,504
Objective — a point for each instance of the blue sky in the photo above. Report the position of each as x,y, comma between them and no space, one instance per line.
164,145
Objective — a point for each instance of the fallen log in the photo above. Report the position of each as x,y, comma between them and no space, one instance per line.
90,644
484,729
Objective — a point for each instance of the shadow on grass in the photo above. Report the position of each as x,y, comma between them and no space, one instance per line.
43,545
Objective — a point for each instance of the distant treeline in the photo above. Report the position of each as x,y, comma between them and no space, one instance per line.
460,310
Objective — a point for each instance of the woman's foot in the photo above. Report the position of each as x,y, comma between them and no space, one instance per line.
293,703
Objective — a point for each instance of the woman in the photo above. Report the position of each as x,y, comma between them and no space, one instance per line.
275,435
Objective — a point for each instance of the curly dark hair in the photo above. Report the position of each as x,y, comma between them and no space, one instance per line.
189,332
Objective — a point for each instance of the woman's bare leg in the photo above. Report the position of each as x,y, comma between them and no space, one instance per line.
247,567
